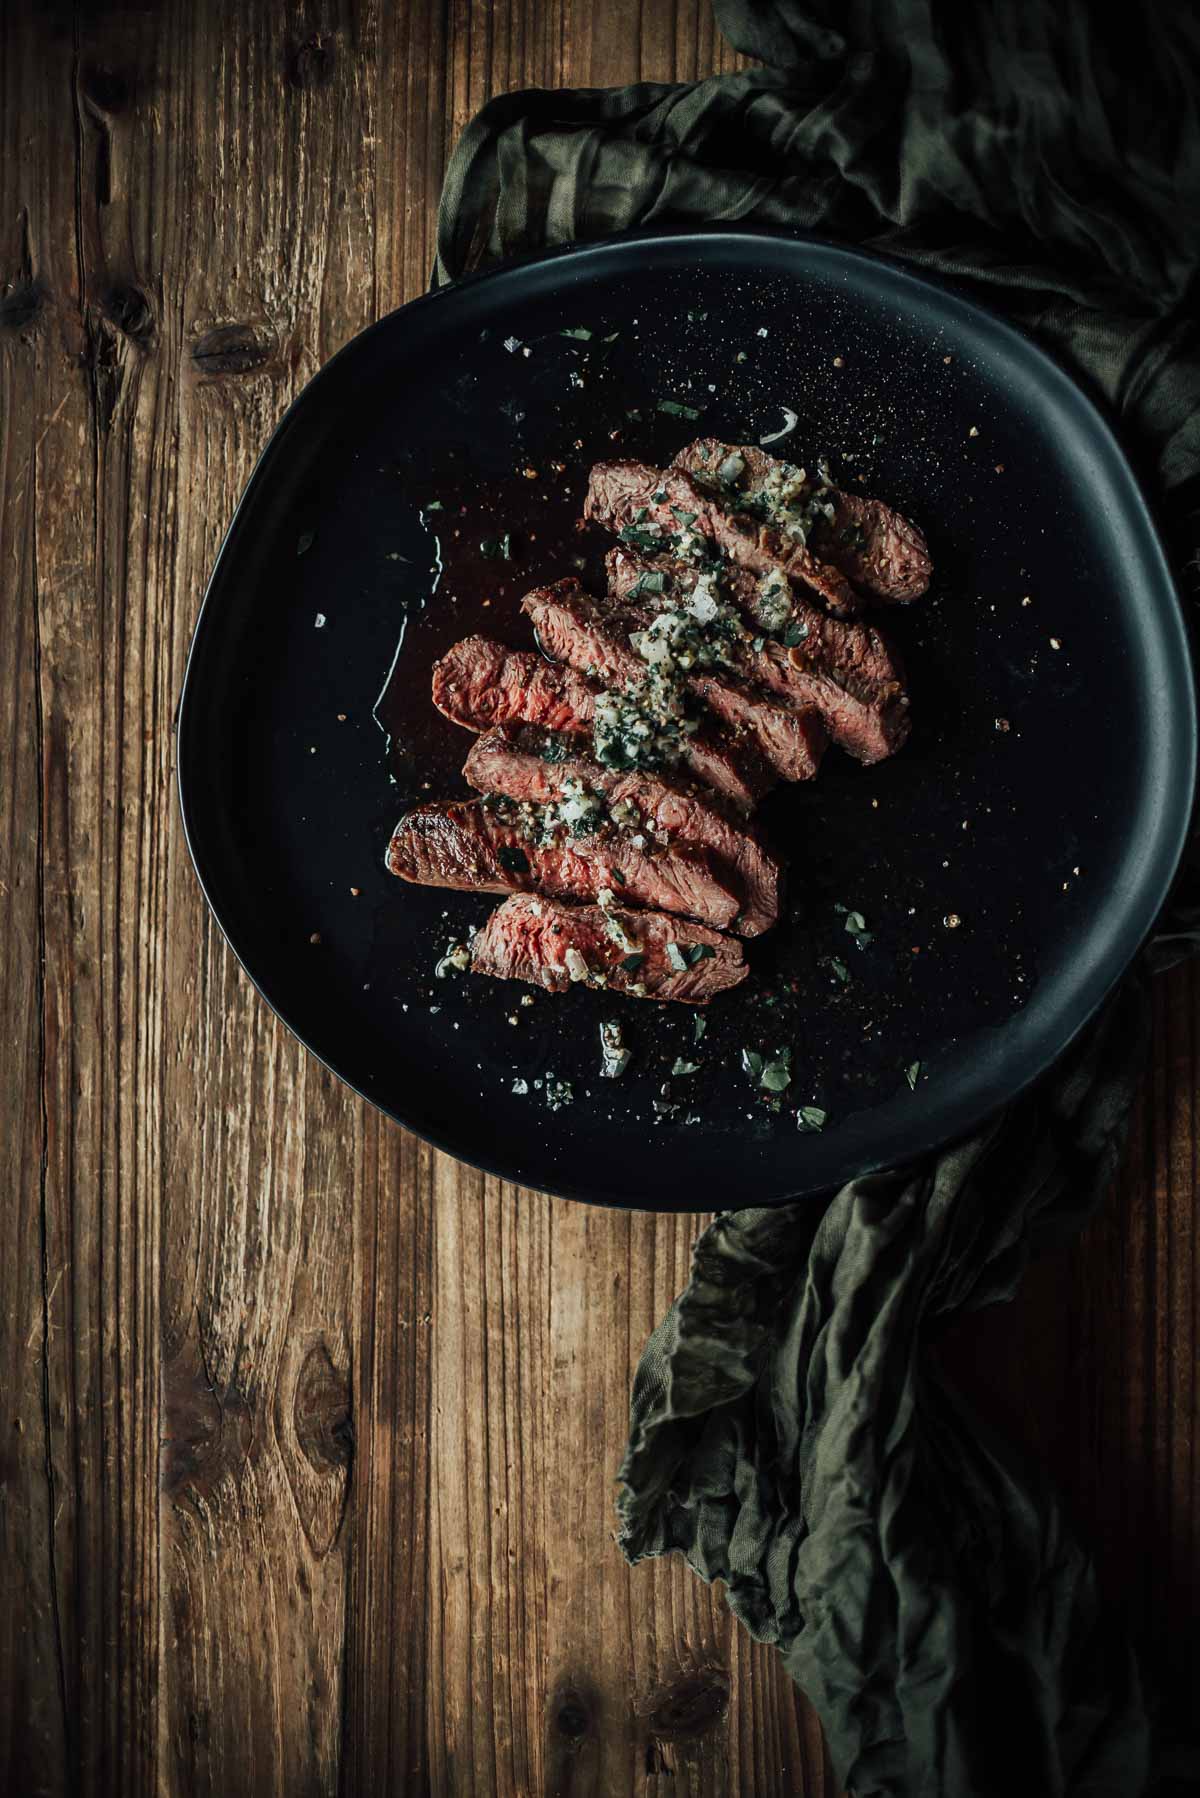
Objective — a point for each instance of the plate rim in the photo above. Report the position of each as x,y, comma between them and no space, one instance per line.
1101,421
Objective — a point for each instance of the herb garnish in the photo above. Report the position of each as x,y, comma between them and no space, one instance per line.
677,409
856,924
912,1074
305,542
838,967
777,1074
699,1026
682,516
811,1117
497,549
680,1067
434,505
579,331
631,963
795,633
649,582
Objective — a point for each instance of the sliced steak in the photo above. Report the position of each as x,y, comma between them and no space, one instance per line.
480,683
574,628
499,847
541,767
668,512
869,543
845,669
557,946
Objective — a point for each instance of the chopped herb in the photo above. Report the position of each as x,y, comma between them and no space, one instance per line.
434,505
680,1067
634,412
648,583
579,331
697,318
795,633
497,549
618,877
759,644
698,952
631,963
659,498
612,337
305,542
554,749
515,860
777,1074
912,1074
838,967
699,1026
752,1062
677,409
644,539
856,924
676,957
682,516
811,1117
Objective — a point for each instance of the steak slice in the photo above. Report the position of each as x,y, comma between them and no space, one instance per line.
482,847
574,628
846,670
669,512
480,683
540,767
870,544
556,946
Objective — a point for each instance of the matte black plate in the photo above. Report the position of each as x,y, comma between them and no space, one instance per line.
1043,799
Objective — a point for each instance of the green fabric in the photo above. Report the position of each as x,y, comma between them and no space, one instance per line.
790,1433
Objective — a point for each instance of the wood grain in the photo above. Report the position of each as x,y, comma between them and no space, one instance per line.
309,1433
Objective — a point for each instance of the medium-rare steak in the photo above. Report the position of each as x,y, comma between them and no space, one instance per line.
872,545
574,628
480,683
642,953
667,512
541,767
845,669
495,846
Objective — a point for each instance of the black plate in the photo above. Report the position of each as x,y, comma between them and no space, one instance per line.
1043,799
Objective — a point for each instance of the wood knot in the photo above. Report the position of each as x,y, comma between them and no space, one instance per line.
570,1716
321,1412
20,304
311,63
129,310
687,1706
104,92
233,349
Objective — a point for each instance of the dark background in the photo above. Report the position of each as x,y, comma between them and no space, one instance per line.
306,1432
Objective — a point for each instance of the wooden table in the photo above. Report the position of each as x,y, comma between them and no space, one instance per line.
308,1432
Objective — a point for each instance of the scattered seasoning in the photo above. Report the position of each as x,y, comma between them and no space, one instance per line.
526,998
305,542
741,356
838,968
315,937
580,332
947,358
1055,643
700,1023
456,960
999,468
433,505
697,318
319,621
614,1056
1026,600
558,1093
531,474
811,1117
1002,724
912,1074
839,362
512,344
790,421
677,409
952,920
762,331
519,1086
974,431
355,892
497,549
341,717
